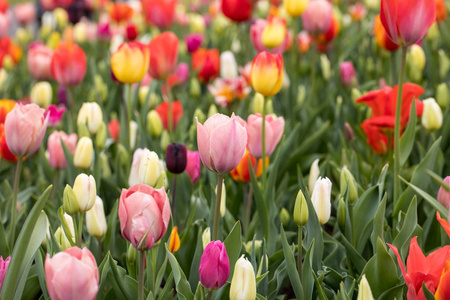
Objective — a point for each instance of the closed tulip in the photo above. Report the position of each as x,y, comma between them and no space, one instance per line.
68,65
95,219
164,55
159,12
348,74
443,196
301,213
39,58
221,142
295,8
150,170
243,283
381,36
25,128
229,68
56,156
364,291
214,266
130,62
206,62
321,199
194,41
134,171
193,166
143,210
72,274
314,173
267,73
4,263
154,123
174,239
83,153
274,132
90,114
432,117
176,158
85,191
163,112
41,94
237,10
397,17
318,16
274,33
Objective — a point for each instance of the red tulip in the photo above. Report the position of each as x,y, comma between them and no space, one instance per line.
406,22
114,129
68,65
4,5
159,12
381,36
177,113
383,104
207,63
164,55
421,269
237,10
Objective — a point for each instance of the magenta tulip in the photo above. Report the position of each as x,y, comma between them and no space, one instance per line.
3,268
56,156
39,58
193,41
317,16
274,132
214,265
193,166
71,275
443,196
25,128
348,74
143,209
406,22
221,142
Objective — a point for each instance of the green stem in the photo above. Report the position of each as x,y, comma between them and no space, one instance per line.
141,275
174,186
398,110
263,141
300,252
169,102
217,208
79,229
14,201
210,295
248,208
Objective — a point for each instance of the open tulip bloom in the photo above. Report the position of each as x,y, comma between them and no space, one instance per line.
226,149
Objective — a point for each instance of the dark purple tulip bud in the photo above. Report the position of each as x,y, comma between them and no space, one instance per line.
176,158
62,95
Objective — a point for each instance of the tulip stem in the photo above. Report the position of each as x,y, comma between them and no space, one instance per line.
141,275
210,295
79,229
398,111
14,201
263,141
217,208
174,185
300,252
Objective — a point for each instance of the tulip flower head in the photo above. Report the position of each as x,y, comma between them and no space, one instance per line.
274,132
193,166
56,156
39,58
164,55
174,239
176,158
95,219
130,62
274,33
237,10
267,73
321,199
4,263
432,117
159,12
163,111
242,173
381,36
206,62
295,8
143,212
243,283
406,22
221,142
72,274
317,16
68,65
214,265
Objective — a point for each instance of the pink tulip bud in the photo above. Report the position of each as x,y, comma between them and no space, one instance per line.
221,142
25,128
443,196
274,132
193,166
317,16
72,274
193,41
56,156
348,74
3,268
143,210
214,265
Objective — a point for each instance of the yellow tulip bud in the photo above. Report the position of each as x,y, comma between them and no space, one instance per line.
197,23
206,237
42,94
80,32
442,95
100,137
83,153
432,115
8,62
150,168
301,213
154,123
3,77
248,246
198,113
364,292
194,89
417,56
91,114
85,191
61,16
321,199
95,219
143,94
62,237
243,283
314,173
274,33
258,102
133,133
53,40
295,8
165,140
325,66
212,111
23,36
284,217
106,170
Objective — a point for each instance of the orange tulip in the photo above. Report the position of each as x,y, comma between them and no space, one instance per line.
381,36
242,173
174,243
120,12
5,107
441,10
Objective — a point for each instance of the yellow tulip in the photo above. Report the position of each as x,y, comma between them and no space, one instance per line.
130,62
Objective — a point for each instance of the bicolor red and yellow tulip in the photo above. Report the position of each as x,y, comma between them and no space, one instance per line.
206,62
267,73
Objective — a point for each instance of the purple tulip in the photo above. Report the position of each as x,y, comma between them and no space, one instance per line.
214,265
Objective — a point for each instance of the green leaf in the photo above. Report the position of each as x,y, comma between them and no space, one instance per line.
438,179
307,273
193,276
29,240
363,213
358,261
291,267
378,223
261,206
181,283
401,241
126,284
233,244
314,235
426,292
408,136
4,248
381,271
72,171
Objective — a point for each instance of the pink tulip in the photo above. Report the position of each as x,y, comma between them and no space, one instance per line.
443,196
39,58
193,41
5,22
348,74
25,12
72,274
25,128
57,158
406,22
274,132
143,209
214,265
221,142
317,16
3,268
182,73
159,12
193,167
